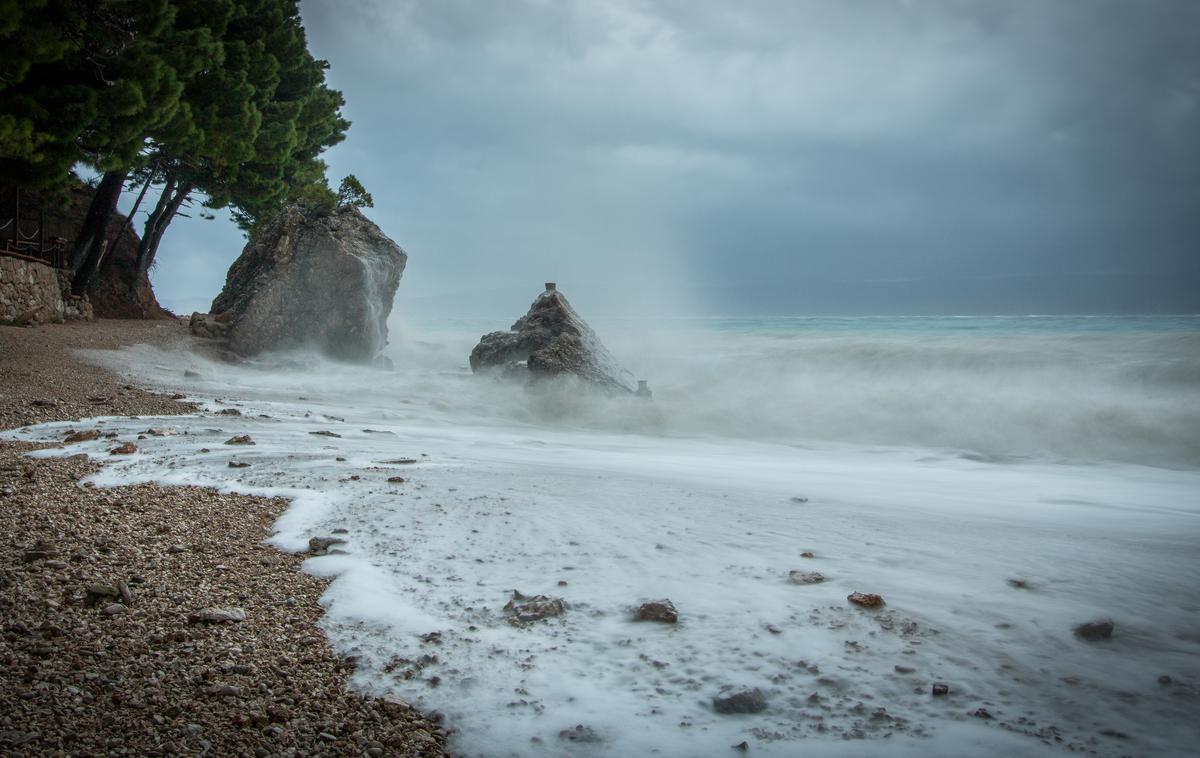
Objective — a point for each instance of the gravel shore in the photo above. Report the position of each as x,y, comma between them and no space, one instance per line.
104,641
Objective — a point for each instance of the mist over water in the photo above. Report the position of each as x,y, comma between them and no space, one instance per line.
1070,389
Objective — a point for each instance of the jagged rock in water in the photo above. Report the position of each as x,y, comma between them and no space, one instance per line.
551,340
324,281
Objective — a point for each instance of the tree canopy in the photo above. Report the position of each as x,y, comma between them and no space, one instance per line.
219,98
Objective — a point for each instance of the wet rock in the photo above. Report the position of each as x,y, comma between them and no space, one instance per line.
238,464
551,339
229,412
1019,584
243,439
217,615
940,688
84,436
796,576
865,600
982,713
662,611
523,609
190,374
1093,631
162,431
903,669
743,746
324,433
807,554
742,701
321,545
310,279
126,449
397,479
580,733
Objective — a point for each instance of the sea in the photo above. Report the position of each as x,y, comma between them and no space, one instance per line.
996,480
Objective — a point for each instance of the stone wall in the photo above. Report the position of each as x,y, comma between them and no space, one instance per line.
32,292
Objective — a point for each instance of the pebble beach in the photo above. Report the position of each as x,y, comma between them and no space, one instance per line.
144,620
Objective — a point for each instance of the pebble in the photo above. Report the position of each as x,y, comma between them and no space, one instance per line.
865,600
1093,631
796,576
114,609
744,701
217,615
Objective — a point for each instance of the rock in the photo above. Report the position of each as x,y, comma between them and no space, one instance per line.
321,545
126,449
1093,631
163,431
580,733
224,690
325,433
982,713
743,746
940,688
397,479
217,615
229,412
796,576
84,436
865,600
190,374
45,403
95,594
658,610
1163,680
1019,584
551,340
742,701
903,669
238,464
243,439
807,554
309,279
523,609
113,609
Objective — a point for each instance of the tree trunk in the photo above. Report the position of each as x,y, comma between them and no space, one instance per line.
128,223
152,221
169,202
90,243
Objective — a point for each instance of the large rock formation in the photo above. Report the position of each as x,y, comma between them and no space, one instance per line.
551,340
324,281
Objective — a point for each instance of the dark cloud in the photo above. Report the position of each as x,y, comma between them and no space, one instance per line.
784,156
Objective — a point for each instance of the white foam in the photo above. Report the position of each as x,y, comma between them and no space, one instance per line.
498,500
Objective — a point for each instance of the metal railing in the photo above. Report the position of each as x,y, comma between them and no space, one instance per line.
35,246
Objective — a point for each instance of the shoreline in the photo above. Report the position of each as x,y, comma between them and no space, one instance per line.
134,672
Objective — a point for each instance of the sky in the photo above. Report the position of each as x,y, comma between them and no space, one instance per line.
790,157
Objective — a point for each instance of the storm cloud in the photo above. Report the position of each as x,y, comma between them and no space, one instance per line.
945,156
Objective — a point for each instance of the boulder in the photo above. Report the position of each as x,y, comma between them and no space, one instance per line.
309,279
551,340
